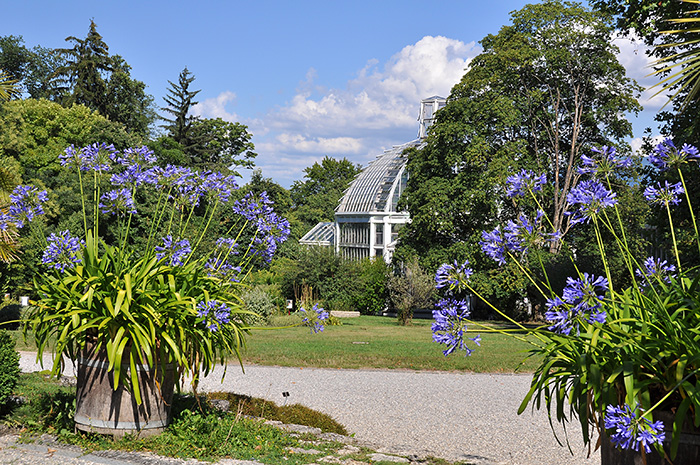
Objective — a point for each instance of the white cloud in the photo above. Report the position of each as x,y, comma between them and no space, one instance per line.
633,56
378,108
216,107
379,99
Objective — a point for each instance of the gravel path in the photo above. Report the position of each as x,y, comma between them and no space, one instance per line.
456,416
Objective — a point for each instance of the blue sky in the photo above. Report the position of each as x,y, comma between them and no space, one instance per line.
308,78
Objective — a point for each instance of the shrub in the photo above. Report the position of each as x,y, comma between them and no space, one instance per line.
9,368
257,300
413,289
10,313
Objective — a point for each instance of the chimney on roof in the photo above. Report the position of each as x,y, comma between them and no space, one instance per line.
428,108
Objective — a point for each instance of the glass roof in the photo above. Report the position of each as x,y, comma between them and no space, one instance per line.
371,190
322,233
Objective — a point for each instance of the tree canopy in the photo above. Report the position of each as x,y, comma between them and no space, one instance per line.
316,196
544,91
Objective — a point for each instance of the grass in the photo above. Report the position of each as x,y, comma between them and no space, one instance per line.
379,342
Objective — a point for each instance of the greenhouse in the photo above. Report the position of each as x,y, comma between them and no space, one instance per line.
367,220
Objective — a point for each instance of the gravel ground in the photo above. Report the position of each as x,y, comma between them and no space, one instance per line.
456,416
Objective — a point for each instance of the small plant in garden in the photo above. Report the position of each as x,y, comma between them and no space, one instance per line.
9,369
412,289
614,357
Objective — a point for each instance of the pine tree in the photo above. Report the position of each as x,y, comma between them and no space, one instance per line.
180,100
88,62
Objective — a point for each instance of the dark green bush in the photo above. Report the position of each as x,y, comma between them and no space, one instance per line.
10,313
9,369
341,284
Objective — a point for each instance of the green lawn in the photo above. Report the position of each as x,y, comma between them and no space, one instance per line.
376,342
379,342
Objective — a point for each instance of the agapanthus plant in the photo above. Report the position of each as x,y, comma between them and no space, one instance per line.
613,357
168,298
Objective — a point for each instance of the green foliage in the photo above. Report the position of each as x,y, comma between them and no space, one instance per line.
10,314
412,289
179,101
9,369
340,283
316,197
290,414
546,89
259,302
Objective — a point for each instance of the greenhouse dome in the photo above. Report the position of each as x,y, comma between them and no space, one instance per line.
367,220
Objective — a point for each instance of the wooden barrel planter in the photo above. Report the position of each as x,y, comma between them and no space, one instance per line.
688,448
102,409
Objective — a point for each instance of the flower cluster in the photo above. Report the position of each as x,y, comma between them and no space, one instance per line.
214,314
314,318
62,251
176,251
581,299
590,197
95,157
450,325
271,229
656,271
525,182
664,195
606,162
117,202
631,430
26,203
450,276
667,155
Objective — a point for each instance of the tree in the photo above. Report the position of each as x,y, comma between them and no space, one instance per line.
545,90
126,100
222,145
317,195
180,100
88,62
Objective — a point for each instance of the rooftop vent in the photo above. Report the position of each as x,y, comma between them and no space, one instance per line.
428,108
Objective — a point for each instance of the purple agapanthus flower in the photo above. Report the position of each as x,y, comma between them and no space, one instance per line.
181,183
314,318
175,251
450,326
134,156
666,155
26,204
452,275
117,202
524,233
630,429
664,195
62,251
606,161
498,244
217,185
590,197
270,228
656,271
214,313
581,299
95,157
524,182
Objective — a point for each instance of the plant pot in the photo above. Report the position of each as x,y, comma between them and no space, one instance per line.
102,409
688,448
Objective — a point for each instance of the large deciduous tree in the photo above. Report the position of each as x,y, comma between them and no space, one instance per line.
316,196
544,91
